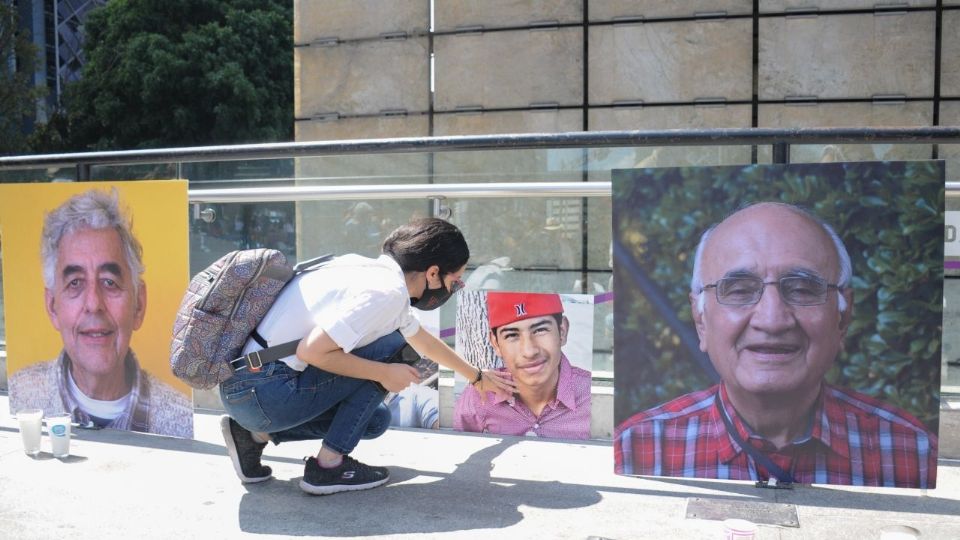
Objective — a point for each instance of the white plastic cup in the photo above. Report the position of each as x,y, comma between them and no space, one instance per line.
58,426
30,421
738,529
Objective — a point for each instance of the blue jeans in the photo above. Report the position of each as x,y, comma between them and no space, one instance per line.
312,404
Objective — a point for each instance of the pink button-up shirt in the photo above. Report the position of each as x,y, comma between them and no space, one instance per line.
566,417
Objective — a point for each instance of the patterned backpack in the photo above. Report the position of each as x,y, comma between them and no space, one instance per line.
221,309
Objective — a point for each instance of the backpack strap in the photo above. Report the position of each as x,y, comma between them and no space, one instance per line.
256,359
312,264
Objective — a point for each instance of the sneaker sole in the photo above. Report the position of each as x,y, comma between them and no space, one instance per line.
330,490
235,456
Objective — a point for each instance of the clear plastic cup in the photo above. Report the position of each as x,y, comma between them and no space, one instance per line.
58,427
30,421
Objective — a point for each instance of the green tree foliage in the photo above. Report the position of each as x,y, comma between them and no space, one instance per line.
890,218
163,73
18,96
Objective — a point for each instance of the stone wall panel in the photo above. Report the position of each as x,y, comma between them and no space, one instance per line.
362,78
950,55
609,10
546,121
324,19
847,56
453,14
781,6
377,127
669,62
509,69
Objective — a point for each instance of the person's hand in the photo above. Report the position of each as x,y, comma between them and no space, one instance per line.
499,382
399,376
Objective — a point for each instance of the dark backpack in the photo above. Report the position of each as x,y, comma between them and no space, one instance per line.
221,310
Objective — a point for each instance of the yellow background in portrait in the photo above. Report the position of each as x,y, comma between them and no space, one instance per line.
159,212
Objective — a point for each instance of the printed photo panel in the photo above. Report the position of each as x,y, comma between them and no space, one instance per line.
84,334
545,342
762,357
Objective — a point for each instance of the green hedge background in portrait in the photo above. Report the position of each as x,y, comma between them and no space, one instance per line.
890,217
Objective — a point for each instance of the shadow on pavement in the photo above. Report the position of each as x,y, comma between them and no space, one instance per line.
468,498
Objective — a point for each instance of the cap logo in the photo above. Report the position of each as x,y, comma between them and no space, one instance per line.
508,307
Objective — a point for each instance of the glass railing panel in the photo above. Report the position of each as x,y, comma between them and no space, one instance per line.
365,169
44,174
527,236
602,323
356,226
227,227
243,173
867,115
601,161
551,165
832,153
146,171
598,219
351,226
950,371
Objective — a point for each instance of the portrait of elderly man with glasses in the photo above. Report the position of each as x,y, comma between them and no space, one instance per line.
772,302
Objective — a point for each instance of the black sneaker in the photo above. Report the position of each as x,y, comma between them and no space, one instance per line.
351,475
244,452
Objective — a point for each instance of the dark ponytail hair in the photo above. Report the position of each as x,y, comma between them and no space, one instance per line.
425,242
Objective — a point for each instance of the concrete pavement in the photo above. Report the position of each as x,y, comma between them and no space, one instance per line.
443,485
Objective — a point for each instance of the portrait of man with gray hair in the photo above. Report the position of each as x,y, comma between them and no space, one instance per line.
95,297
772,302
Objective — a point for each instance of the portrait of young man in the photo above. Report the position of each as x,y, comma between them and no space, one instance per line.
773,296
527,333
96,298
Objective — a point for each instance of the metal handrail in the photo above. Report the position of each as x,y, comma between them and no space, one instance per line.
779,138
527,141
401,191
418,191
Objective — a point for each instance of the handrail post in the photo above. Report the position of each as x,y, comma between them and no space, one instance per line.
781,153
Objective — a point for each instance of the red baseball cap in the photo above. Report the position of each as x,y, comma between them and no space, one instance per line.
506,307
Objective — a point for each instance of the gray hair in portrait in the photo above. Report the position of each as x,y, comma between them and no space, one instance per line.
846,269
93,209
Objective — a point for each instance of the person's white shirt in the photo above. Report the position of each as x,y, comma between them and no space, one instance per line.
354,299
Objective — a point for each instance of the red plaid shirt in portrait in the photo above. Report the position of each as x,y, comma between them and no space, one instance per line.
566,417
853,439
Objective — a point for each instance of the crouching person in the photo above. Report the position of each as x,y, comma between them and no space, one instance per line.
354,315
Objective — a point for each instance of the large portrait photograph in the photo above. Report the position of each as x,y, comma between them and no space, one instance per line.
544,342
93,276
779,323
